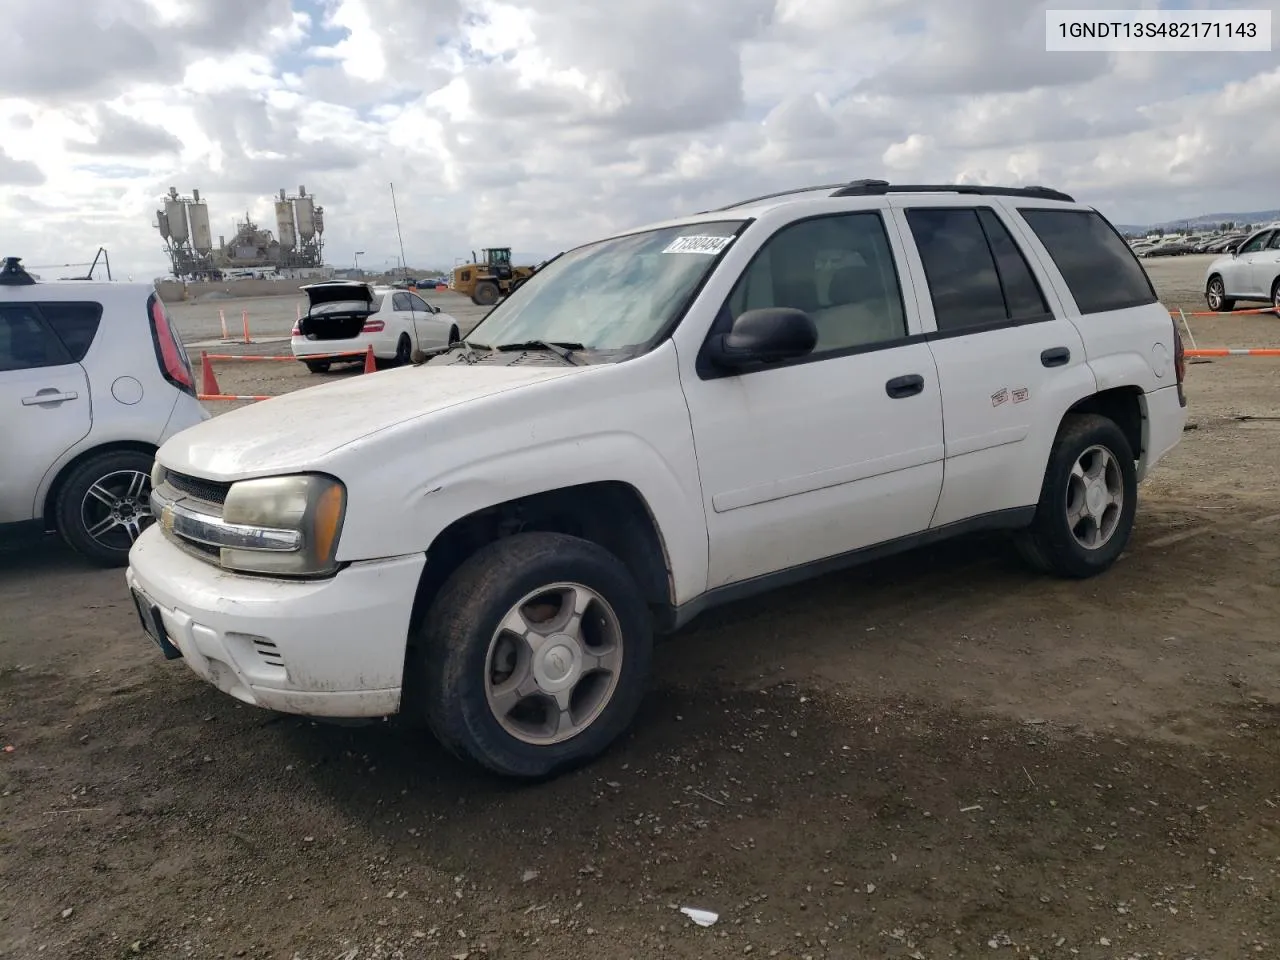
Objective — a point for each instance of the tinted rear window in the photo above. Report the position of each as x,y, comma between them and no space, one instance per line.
1100,270
75,323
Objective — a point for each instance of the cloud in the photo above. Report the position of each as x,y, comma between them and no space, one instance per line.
120,135
19,173
541,124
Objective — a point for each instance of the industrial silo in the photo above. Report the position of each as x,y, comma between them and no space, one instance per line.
175,212
305,209
201,232
162,221
285,231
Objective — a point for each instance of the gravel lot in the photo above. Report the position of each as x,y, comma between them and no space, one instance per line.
937,756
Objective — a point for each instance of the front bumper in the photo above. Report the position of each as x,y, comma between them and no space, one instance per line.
322,648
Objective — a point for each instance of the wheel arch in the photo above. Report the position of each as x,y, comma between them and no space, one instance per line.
1125,406
612,514
49,503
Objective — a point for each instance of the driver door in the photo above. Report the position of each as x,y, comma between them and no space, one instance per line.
839,450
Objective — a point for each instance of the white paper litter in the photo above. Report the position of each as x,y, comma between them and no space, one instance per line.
703,918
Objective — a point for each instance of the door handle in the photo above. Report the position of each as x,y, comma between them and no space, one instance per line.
1055,357
48,395
907,386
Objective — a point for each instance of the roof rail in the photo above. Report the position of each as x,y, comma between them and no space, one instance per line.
876,188
873,188
772,196
13,275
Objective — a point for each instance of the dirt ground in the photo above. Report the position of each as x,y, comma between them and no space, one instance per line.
936,756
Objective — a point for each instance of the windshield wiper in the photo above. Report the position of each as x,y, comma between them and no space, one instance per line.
560,348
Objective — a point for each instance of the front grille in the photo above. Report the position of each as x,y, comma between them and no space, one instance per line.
210,491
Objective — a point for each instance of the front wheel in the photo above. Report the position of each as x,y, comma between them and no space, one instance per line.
105,504
1215,295
535,655
486,294
1275,296
1087,502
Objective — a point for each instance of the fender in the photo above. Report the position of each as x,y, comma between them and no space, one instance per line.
624,423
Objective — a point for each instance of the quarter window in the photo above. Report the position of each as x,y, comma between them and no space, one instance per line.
400,301
839,270
75,323
26,342
1099,268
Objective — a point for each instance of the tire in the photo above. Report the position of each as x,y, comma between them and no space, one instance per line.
1215,295
82,506
1049,544
317,366
461,644
486,294
1275,296
454,336
404,351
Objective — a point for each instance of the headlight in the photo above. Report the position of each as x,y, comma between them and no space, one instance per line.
157,474
309,508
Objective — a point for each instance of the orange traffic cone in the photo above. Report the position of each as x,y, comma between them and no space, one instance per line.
370,365
208,382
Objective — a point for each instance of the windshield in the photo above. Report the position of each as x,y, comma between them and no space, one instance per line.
611,295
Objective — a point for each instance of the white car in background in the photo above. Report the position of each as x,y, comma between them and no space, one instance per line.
93,378
1252,272
349,316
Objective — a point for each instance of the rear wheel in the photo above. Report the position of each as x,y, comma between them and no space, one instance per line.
486,294
1275,296
1215,295
104,504
317,366
404,350
1087,502
535,655
454,336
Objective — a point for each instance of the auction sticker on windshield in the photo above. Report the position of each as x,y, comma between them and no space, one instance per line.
711,245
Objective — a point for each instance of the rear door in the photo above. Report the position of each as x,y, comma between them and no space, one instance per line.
44,406
1005,359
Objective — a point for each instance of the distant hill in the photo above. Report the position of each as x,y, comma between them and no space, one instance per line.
1204,221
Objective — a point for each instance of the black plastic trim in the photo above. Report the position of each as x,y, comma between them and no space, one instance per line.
879,188
1012,519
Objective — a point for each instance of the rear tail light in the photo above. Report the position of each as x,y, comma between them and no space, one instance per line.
1179,364
170,354
373,326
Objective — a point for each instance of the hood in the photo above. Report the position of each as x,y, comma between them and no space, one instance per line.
298,430
338,291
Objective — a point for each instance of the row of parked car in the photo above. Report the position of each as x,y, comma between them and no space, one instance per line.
1173,246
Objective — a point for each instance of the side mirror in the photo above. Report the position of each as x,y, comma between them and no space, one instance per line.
770,335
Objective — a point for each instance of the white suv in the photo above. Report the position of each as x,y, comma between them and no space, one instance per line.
653,424
93,378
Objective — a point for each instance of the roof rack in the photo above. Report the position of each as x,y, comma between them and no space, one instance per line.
772,196
13,275
874,188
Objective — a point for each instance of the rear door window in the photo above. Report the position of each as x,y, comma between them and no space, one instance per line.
400,302
959,267
1099,268
26,342
75,323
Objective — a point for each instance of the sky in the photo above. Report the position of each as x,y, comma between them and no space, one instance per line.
543,124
